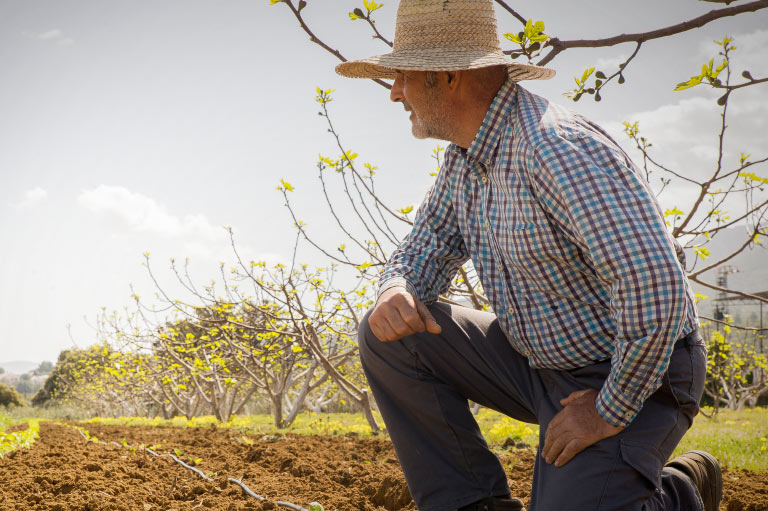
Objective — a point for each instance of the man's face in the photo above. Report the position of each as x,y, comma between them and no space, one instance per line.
422,96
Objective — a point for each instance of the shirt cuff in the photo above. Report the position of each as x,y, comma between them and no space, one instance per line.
396,282
613,406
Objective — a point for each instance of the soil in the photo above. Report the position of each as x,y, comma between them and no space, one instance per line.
61,472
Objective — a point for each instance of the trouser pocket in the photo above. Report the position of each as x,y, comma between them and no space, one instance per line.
633,479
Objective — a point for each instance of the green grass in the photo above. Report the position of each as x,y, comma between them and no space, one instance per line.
5,421
307,423
738,439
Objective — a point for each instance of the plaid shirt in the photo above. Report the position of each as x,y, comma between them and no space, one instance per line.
569,243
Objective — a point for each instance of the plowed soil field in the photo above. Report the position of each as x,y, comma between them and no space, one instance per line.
63,472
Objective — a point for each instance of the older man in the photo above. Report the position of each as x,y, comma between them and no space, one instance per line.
594,335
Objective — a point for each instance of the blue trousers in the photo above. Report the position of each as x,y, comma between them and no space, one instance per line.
422,385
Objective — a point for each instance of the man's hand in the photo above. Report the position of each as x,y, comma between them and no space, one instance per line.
575,427
398,314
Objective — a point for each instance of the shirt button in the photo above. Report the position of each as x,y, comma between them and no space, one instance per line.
511,310
484,179
527,353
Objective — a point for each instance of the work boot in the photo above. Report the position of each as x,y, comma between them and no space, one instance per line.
495,504
704,471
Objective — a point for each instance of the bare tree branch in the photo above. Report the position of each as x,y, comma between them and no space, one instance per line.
559,46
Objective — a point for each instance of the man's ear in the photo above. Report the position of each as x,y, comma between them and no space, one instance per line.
453,78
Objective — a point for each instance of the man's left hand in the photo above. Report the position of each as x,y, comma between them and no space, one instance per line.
575,427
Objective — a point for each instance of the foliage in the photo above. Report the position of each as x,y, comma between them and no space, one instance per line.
736,373
19,439
58,377
306,423
10,397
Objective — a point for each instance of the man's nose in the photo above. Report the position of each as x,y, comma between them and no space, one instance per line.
396,93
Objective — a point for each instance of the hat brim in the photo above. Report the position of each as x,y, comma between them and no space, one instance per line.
440,59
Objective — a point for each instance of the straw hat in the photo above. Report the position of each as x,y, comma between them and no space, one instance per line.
443,35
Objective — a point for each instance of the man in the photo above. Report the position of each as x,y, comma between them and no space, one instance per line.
594,335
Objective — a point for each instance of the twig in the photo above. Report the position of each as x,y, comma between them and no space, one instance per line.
510,10
173,486
737,327
314,39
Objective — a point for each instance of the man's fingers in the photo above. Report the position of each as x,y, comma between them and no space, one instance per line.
573,448
556,447
429,319
382,330
408,307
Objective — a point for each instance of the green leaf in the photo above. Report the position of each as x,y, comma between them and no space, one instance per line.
512,37
587,73
528,28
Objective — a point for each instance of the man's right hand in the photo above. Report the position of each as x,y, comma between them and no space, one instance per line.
398,314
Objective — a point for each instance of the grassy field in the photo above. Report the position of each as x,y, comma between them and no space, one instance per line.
738,439
5,421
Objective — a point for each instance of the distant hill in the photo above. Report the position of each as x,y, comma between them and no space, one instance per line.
752,275
19,366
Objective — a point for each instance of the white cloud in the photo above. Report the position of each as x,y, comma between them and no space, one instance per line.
56,36
192,235
51,34
31,198
140,213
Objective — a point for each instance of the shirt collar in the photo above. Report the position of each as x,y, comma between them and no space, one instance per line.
483,147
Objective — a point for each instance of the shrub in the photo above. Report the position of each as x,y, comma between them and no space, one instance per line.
9,396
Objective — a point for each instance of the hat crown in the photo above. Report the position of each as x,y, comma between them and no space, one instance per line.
448,24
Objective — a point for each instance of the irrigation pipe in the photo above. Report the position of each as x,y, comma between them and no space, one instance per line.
245,488
177,460
199,472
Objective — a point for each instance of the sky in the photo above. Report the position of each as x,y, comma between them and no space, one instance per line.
142,127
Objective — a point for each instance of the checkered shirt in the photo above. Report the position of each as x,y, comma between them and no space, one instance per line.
568,241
